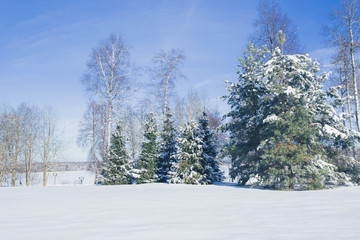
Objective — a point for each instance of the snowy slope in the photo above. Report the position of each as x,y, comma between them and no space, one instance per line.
161,211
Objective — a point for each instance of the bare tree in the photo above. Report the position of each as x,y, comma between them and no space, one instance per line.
107,74
343,78
4,141
166,71
132,131
93,133
30,136
49,140
14,143
269,22
190,107
344,34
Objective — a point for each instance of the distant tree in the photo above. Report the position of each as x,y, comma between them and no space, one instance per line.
134,120
15,144
132,132
107,75
93,133
30,136
4,141
149,156
50,142
166,71
190,107
269,22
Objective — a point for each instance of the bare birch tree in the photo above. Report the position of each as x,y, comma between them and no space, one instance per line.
344,34
30,136
14,143
132,131
107,75
269,22
4,141
93,134
190,107
166,71
49,140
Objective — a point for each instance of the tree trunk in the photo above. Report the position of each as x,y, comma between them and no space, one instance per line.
165,100
13,176
27,178
350,112
94,147
13,167
109,124
45,160
1,177
27,169
44,174
353,68
349,104
166,89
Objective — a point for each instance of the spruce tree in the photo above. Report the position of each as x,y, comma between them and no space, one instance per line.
117,166
167,152
190,170
282,126
149,156
245,118
208,159
299,126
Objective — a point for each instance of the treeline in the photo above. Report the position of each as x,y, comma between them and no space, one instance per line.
118,106
344,36
165,157
283,131
28,134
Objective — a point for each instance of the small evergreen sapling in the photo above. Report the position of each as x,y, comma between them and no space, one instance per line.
167,154
117,168
208,160
149,157
190,170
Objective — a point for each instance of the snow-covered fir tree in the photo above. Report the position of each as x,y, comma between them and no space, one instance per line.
149,156
189,154
282,127
245,119
167,153
208,159
117,167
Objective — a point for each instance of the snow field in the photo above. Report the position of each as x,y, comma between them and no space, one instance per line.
162,211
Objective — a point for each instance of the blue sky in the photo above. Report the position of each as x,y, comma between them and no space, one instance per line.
44,45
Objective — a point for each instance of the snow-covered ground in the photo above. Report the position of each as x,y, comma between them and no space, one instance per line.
162,211
71,178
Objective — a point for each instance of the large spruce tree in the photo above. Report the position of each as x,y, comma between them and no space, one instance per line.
149,157
282,126
245,118
117,168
